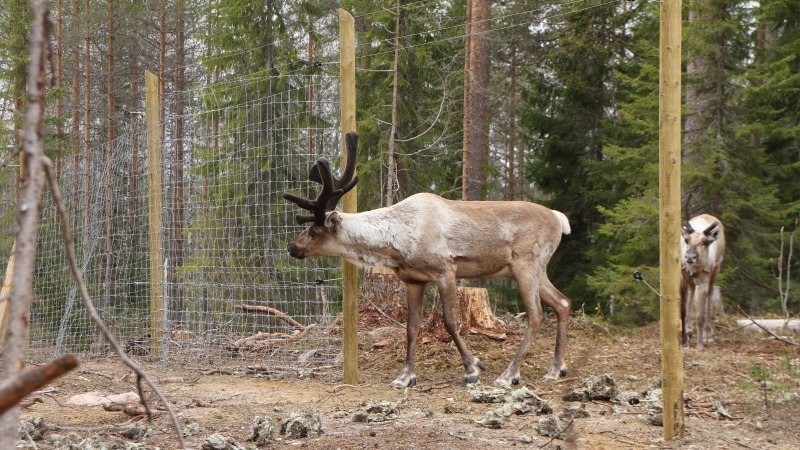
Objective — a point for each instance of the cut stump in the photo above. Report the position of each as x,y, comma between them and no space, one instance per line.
472,312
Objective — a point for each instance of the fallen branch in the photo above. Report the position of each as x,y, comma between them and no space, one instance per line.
92,311
261,336
23,383
766,330
500,337
271,311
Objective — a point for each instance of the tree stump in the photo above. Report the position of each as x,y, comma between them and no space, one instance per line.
472,311
384,294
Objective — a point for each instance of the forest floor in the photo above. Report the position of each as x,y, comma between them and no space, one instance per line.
742,392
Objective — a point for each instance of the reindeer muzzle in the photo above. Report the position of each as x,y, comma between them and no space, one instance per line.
294,252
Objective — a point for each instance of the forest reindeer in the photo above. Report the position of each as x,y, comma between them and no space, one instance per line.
701,258
426,238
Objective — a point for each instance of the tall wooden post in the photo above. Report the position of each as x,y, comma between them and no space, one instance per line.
154,201
347,98
670,216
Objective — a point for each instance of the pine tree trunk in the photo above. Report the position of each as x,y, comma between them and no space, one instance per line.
478,100
467,99
74,99
135,117
87,110
695,134
390,179
109,276
512,127
59,99
178,220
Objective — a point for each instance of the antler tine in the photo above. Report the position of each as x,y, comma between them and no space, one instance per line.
346,182
317,206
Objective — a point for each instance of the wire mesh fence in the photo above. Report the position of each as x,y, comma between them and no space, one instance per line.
230,294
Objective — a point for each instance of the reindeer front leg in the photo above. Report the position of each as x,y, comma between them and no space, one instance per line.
414,295
447,291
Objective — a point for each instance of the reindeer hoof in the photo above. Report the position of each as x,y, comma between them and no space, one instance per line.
404,382
471,379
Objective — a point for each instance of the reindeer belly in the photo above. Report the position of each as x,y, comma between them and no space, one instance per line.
481,268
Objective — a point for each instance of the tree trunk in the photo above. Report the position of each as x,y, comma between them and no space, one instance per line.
109,276
472,311
467,99
698,107
59,99
30,195
478,101
74,99
390,178
134,117
87,114
178,219
512,127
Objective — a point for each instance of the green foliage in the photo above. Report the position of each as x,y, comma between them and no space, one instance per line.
429,98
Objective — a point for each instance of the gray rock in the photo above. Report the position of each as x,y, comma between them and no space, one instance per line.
219,442
377,412
263,429
486,394
302,425
550,426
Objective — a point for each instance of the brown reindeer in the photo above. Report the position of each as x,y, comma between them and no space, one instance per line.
702,253
428,239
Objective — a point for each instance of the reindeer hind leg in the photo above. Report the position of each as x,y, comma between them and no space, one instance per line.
560,305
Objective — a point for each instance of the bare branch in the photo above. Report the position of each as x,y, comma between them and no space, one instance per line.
271,311
90,308
14,390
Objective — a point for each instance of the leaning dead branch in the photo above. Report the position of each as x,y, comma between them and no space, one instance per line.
271,311
766,330
141,376
31,379
31,185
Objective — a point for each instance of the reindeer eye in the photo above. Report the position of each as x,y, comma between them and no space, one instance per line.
312,232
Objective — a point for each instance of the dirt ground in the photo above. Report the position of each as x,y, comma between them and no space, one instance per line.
742,391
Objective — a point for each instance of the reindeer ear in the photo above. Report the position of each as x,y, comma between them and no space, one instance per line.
686,229
712,232
333,219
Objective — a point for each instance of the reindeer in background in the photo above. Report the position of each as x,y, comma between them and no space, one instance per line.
701,258
428,239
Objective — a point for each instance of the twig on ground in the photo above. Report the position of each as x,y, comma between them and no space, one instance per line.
92,311
271,311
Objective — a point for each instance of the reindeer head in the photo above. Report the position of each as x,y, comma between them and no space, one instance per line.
314,240
696,244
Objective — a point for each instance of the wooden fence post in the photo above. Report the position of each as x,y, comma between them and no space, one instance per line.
347,98
153,118
670,216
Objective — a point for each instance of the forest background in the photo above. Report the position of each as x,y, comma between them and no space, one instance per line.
556,103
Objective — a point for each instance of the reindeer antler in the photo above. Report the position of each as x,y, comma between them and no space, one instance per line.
333,188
